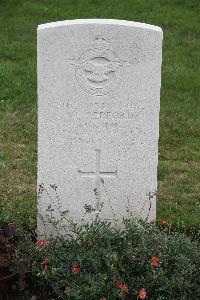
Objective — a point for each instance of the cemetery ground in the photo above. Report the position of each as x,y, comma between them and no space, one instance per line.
165,265
178,196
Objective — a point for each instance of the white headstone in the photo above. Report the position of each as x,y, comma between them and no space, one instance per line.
98,109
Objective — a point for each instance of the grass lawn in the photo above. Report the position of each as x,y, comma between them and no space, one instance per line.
178,197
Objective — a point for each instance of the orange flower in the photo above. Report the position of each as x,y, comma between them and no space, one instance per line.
41,242
122,286
142,294
75,268
155,261
119,285
45,261
164,222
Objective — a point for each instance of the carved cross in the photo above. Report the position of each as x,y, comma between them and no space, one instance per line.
98,175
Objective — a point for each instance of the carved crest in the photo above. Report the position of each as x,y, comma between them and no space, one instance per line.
98,70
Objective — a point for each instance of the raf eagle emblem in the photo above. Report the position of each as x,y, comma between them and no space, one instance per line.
99,69
97,72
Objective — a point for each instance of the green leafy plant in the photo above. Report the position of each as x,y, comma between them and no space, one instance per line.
132,261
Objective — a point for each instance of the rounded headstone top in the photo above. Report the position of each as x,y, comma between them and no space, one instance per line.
100,21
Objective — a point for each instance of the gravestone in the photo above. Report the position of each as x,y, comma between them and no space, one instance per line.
98,119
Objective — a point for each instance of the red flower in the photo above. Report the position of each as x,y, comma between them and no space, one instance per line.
41,242
75,268
122,286
45,261
142,294
102,298
164,222
155,261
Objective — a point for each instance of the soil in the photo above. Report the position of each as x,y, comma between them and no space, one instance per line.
29,290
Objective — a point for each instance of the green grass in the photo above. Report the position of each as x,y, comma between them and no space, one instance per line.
179,146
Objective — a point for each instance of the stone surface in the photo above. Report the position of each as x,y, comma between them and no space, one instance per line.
98,118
